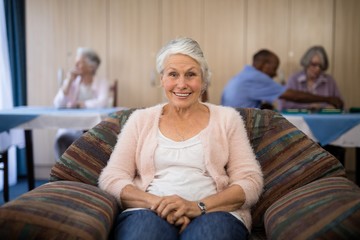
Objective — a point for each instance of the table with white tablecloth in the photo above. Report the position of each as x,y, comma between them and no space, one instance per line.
29,118
335,129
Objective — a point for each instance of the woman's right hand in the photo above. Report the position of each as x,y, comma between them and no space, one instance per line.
176,207
72,74
183,222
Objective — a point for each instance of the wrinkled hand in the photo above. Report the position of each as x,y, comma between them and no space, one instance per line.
175,210
336,102
183,222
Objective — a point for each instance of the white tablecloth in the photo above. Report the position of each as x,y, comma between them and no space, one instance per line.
349,139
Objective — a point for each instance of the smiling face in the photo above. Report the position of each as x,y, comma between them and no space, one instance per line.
182,80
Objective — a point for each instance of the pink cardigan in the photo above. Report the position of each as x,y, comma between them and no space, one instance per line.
229,158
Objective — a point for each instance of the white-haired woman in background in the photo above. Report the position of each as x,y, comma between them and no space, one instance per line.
313,79
80,89
183,169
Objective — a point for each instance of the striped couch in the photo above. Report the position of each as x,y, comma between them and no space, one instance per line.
306,193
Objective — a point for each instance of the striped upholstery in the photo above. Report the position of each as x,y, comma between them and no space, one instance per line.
59,210
328,208
86,157
288,158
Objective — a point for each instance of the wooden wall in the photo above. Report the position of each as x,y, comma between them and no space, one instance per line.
128,33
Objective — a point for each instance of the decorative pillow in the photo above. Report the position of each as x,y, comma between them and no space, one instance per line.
289,159
328,208
87,156
59,210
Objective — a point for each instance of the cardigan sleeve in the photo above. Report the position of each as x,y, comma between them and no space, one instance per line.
243,168
120,170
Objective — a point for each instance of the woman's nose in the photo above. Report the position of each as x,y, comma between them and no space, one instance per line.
181,81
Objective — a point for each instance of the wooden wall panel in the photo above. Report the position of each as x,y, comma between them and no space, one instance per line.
224,45
134,39
86,26
311,23
346,59
45,39
182,18
268,26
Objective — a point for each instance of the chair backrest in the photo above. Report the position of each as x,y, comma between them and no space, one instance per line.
113,90
289,159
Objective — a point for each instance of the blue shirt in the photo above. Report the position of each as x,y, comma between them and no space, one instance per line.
249,88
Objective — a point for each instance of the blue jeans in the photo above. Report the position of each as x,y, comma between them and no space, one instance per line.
145,224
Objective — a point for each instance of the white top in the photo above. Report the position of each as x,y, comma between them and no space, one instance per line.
180,170
85,93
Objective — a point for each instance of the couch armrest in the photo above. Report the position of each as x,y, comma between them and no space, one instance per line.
328,208
61,210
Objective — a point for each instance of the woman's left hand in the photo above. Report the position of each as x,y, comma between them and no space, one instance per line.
174,207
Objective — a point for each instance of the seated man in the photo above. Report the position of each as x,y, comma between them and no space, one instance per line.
254,86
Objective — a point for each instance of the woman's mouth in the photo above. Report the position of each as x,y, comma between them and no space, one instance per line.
182,94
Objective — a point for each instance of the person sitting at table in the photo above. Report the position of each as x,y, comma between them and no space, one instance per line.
183,169
254,87
80,89
314,79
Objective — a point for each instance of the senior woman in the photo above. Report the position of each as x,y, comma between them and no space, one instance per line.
183,169
81,89
313,79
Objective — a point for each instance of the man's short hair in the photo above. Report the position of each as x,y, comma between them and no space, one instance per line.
262,55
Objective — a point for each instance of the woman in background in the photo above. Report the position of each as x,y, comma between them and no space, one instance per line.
313,79
183,169
81,89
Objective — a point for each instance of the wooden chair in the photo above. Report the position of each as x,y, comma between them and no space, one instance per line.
113,93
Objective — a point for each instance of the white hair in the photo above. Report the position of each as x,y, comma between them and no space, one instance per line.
188,47
91,57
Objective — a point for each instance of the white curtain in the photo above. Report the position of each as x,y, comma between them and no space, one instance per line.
6,100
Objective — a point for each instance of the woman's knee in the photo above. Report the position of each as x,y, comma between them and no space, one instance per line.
216,225
143,224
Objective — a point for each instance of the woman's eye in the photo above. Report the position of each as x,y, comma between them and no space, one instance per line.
191,74
172,74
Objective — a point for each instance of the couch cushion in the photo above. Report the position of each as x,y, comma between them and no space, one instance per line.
87,156
289,159
59,210
328,208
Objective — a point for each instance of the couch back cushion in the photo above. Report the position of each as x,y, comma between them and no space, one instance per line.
289,159
88,155
328,208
